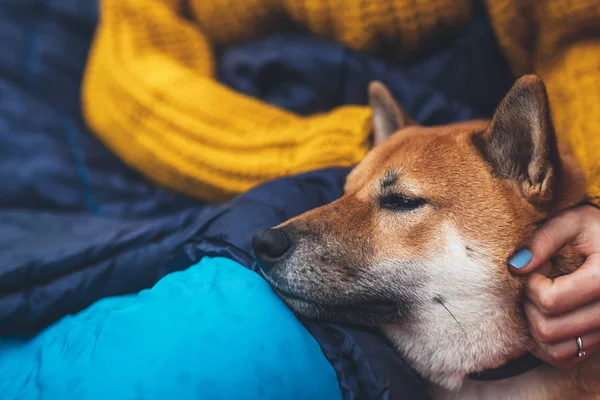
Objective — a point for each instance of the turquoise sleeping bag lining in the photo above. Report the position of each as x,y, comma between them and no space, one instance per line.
213,331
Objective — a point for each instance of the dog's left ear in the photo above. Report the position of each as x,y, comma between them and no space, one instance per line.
520,142
388,117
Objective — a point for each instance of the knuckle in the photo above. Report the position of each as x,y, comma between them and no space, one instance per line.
545,332
547,303
546,238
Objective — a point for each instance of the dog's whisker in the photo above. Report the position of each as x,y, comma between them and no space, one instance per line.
476,251
439,300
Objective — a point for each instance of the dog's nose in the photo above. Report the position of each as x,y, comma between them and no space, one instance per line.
270,246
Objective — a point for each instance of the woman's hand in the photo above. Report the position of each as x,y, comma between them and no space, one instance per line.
567,307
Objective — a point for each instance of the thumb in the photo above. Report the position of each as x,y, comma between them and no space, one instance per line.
545,242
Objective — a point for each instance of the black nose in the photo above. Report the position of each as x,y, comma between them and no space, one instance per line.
270,246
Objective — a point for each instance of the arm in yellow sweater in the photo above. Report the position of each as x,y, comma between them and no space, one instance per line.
150,93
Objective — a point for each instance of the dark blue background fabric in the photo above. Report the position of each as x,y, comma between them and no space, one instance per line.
77,225
464,80
48,158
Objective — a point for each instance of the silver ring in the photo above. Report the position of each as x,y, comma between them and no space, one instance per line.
580,351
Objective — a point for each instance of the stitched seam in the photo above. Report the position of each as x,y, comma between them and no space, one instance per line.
81,166
31,46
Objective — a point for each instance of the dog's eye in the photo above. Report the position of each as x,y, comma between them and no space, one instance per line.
397,202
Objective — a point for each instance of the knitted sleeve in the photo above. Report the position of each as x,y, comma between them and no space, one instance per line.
150,93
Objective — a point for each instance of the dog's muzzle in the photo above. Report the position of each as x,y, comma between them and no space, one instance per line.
274,250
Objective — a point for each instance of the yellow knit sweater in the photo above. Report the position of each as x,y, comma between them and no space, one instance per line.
150,94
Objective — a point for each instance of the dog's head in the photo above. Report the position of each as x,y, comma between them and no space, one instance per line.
418,244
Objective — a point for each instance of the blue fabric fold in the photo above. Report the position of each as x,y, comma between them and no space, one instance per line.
191,336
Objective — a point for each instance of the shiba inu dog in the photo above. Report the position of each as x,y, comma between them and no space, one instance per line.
418,245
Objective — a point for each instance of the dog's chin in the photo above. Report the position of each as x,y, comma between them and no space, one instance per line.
363,311
368,313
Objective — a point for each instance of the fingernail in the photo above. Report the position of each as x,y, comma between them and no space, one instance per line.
521,258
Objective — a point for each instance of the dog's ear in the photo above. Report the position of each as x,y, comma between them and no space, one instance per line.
388,117
520,142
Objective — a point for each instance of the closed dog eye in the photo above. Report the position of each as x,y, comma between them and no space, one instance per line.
400,202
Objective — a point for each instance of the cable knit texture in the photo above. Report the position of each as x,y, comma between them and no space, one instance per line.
150,92
151,96
560,41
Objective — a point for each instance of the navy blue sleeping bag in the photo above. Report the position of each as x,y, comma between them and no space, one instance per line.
78,226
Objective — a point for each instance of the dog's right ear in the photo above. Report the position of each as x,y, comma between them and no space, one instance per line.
388,117
520,142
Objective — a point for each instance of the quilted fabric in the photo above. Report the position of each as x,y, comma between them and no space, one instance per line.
48,158
192,336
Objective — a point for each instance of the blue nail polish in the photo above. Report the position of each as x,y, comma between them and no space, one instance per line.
521,258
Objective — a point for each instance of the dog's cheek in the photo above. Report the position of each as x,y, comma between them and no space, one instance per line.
339,268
